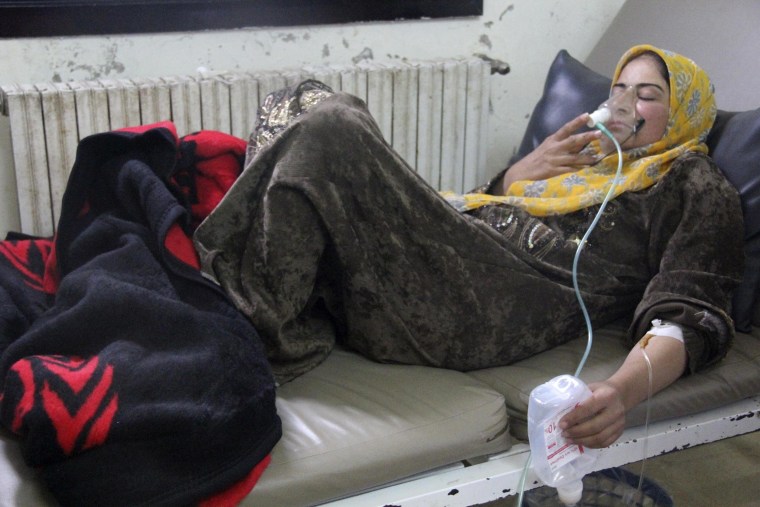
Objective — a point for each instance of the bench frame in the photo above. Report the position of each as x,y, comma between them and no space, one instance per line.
468,483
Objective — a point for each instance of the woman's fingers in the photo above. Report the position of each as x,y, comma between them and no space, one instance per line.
598,421
572,126
568,142
560,153
572,162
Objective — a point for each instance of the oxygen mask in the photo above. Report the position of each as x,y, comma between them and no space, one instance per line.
618,114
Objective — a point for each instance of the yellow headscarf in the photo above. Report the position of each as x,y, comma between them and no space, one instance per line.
691,115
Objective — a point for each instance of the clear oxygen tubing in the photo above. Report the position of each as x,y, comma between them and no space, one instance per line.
597,123
619,110
607,198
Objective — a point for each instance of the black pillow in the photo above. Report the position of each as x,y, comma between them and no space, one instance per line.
572,88
735,147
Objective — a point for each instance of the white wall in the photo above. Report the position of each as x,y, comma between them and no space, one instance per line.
524,33
722,40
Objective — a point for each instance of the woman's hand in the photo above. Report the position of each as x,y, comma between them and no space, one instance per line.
599,420
557,154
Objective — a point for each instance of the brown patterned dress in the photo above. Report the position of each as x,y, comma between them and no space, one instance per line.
328,237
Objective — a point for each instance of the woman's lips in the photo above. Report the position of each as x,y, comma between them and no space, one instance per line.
619,127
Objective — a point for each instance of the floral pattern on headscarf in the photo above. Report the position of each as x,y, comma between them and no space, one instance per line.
691,116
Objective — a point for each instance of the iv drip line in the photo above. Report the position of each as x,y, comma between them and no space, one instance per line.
646,419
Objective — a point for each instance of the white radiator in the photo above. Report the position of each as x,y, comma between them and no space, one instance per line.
433,113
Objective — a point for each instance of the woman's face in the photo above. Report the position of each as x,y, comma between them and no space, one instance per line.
652,100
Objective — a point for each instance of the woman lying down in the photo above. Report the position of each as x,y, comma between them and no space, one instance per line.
329,237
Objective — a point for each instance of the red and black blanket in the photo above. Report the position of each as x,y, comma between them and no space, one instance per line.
128,377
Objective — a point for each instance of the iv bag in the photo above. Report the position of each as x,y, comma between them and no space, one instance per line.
556,462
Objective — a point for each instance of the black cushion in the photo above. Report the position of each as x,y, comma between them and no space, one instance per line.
735,146
572,88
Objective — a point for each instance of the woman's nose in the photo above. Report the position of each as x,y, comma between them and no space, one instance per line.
626,101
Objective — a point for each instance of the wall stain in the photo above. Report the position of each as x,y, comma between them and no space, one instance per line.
366,54
508,9
486,41
326,51
109,66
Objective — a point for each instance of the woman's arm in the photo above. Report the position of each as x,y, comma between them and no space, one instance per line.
600,420
557,154
697,259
